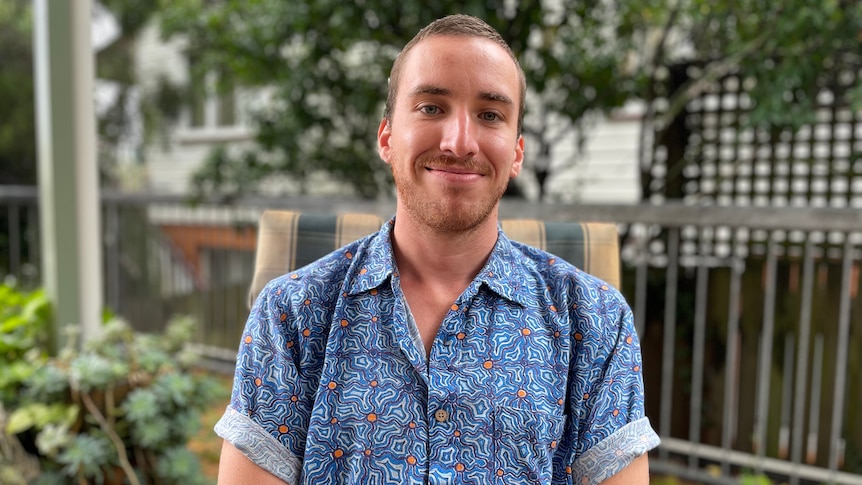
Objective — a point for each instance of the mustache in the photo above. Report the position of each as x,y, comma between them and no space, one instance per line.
442,161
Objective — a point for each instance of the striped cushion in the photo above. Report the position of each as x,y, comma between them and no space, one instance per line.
592,246
288,240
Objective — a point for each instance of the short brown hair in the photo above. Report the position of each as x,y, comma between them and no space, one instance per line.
455,26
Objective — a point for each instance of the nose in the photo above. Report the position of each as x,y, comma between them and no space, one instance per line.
459,137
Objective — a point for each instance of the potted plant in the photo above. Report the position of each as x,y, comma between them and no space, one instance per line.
117,409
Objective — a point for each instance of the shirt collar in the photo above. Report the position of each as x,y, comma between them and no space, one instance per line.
375,262
501,273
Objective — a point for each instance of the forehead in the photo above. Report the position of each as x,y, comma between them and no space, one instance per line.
459,63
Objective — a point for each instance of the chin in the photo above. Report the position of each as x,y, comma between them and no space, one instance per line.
448,219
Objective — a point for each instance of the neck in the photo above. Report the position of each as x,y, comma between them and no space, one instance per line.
425,254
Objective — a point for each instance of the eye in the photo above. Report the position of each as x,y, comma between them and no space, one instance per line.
489,116
429,109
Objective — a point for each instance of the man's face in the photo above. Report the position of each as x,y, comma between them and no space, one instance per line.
452,140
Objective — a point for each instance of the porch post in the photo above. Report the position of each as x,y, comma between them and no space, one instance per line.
67,171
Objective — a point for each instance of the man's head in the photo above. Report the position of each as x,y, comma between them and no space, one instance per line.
452,134
453,26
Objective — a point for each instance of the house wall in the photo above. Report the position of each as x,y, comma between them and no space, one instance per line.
173,156
606,170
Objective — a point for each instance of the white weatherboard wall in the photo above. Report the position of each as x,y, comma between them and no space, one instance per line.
607,169
173,159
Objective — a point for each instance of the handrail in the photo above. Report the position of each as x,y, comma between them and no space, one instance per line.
669,213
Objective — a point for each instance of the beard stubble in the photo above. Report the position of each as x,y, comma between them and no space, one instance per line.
458,209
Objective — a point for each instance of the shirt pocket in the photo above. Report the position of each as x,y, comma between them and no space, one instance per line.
524,445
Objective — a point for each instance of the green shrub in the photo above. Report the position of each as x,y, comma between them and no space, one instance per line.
754,479
118,409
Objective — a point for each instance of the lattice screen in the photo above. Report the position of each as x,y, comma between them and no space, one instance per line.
726,162
710,155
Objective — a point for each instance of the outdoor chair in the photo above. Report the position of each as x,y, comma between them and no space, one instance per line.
287,240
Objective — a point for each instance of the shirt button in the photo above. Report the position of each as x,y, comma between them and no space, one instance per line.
441,415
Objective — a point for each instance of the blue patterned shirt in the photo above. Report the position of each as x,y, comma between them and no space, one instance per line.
534,376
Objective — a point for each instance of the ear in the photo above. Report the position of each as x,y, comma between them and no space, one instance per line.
519,158
384,132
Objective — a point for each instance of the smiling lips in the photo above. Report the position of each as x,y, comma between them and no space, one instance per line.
456,170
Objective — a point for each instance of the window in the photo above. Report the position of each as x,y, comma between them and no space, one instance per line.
212,97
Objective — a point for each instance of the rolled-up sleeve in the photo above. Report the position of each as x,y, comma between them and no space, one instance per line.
608,428
267,417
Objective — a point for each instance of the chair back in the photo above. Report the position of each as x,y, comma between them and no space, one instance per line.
287,240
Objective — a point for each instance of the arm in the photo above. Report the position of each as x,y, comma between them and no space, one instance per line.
611,445
637,473
265,380
235,469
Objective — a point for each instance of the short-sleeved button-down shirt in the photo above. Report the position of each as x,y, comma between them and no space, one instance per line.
533,377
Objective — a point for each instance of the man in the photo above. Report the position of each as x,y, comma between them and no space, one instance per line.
437,350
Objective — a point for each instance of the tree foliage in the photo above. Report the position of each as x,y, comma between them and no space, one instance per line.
326,65
114,64
17,111
778,65
789,51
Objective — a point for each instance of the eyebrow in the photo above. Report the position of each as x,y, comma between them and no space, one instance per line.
429,89
497,97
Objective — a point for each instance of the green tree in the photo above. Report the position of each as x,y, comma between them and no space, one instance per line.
17,115
326,65
115,63
790,56
18,152
157,102
790,51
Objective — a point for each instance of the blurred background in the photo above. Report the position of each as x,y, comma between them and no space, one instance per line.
723,137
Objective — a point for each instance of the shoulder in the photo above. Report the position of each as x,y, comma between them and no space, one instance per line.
567,286
323,280
559,273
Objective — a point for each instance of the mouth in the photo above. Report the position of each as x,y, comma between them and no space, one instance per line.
456,170
455,176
